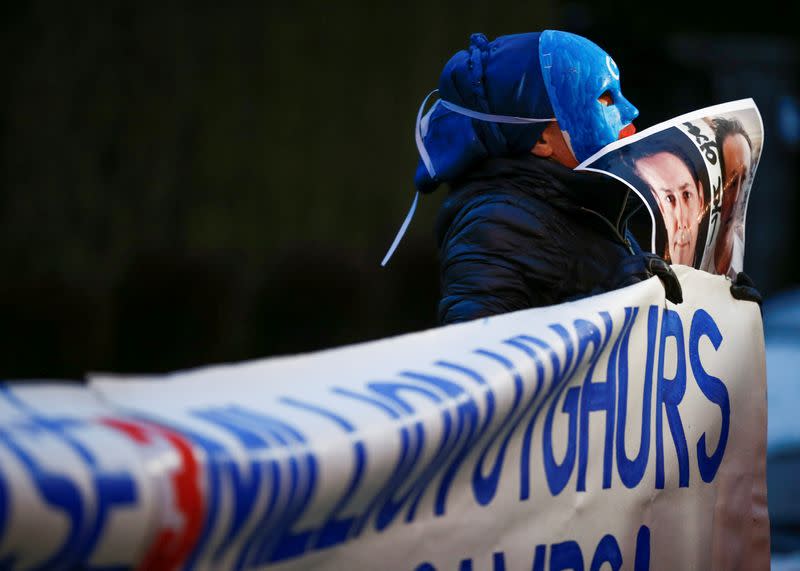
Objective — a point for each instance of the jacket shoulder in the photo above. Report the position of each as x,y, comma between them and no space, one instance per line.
495,217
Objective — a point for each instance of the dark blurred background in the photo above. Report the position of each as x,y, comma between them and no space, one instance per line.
186,183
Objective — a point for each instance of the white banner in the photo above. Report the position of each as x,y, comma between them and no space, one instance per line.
616,432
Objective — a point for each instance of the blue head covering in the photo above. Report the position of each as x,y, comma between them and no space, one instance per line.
498,78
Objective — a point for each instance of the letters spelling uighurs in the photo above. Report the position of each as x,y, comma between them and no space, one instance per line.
473,436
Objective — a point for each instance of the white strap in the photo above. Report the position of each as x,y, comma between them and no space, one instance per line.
402,230
426,159
491,118
423,153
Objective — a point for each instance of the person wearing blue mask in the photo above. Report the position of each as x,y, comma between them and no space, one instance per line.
520,227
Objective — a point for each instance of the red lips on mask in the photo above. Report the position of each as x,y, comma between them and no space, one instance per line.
627,131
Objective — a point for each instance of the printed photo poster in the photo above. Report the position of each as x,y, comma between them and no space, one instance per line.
694,174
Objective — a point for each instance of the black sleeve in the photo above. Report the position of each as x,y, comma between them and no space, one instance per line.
495,258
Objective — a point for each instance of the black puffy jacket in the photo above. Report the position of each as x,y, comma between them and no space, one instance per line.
526,232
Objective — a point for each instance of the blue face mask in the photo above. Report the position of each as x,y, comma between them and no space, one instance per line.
577,74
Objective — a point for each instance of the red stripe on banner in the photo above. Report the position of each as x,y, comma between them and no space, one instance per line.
171,546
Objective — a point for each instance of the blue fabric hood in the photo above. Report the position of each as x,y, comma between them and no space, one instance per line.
501,77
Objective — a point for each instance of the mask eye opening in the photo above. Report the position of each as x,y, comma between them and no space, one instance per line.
606,99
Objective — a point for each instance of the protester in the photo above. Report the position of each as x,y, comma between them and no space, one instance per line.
520,228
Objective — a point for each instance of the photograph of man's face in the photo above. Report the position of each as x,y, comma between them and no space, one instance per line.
680,200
